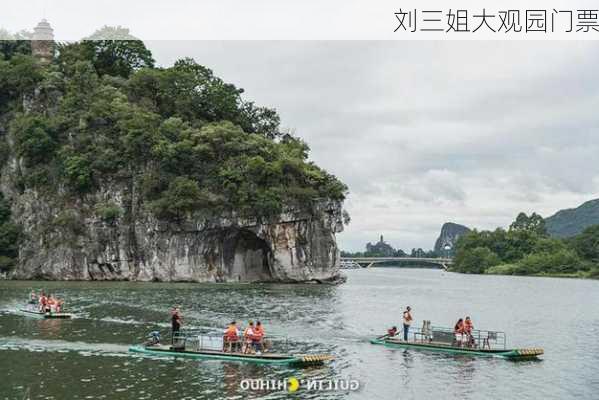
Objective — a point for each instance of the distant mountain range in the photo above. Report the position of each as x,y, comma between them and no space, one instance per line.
572,221
563,224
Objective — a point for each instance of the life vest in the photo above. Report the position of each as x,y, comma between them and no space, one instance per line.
43,300
258,333
231,333
391,331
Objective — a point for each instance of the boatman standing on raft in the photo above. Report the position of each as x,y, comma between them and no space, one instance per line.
407,321
176,322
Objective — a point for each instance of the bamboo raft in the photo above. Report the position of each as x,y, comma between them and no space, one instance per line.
210,347
265,358
480,344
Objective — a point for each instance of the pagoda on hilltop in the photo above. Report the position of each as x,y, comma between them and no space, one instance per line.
42,42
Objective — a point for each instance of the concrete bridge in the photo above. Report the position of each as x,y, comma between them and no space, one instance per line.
367,262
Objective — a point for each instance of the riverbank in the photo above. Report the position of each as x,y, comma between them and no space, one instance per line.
528,250
513,269
337,279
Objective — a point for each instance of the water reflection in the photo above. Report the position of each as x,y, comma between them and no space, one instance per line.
51,328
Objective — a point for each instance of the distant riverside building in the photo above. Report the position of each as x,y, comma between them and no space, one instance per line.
42,42
381,248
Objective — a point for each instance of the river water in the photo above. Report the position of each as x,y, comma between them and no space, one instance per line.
87,357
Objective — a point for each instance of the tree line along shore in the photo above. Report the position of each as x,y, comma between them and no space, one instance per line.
525,248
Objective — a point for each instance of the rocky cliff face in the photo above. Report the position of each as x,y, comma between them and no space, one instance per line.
449,235
74,243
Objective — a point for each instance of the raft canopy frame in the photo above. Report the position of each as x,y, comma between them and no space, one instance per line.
481,339
208,340
201,345
480,343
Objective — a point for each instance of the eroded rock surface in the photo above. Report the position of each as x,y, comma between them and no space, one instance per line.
75,244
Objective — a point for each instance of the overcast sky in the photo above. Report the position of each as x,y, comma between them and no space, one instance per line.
427,132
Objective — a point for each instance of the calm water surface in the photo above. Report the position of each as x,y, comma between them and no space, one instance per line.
87,358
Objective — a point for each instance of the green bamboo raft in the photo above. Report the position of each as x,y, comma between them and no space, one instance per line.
265,358
45,315
481,344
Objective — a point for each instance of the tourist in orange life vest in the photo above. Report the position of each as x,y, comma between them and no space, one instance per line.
231,337
407,321
258,338
458,331
248,335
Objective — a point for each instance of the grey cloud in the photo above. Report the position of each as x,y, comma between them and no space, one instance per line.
433,186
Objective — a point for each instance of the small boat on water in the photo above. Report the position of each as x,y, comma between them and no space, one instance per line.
45,315
52,305
210,347
480,344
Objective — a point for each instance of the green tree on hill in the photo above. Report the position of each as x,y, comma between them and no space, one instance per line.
12,44
112,51
525,249
586,244
475,261
533,223
103,114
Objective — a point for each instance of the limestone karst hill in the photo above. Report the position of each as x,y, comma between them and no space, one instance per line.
113,168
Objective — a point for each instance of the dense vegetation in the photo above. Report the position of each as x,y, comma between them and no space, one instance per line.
526,249
102,113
